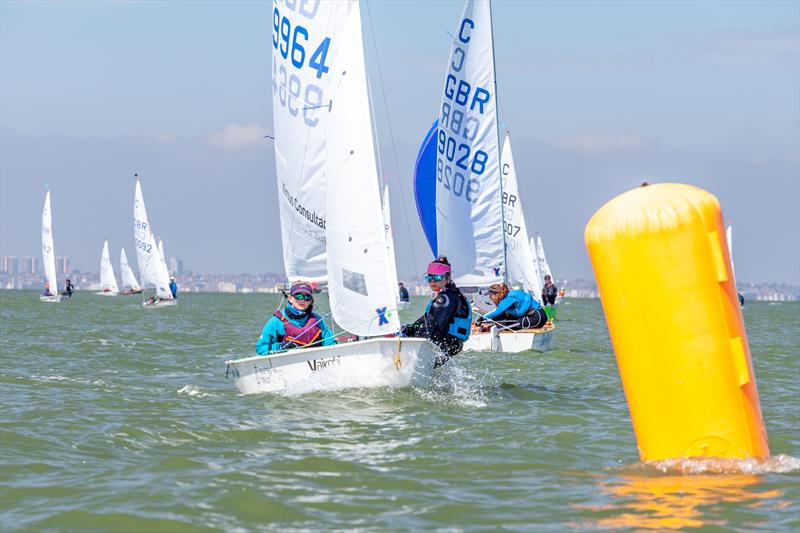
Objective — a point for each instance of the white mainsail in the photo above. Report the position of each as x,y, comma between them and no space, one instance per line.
300,102
518,252
128,278
544,267
469,217
537,271
729,237
163,256
48,251
150,265
108,282
362,281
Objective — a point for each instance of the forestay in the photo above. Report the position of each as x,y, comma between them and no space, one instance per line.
108,282
48,252
361,276
150,266
469,217
518,252
128,278
303,62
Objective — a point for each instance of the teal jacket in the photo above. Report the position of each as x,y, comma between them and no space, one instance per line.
516,303
272,335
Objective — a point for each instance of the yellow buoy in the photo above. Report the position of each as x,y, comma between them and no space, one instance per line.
665,279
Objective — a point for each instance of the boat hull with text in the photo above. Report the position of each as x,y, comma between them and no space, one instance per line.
379,362
510,341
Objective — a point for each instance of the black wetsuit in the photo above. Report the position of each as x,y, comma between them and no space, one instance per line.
68,290
403,294
549,293
435,324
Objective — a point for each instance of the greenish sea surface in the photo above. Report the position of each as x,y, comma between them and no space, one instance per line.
119,418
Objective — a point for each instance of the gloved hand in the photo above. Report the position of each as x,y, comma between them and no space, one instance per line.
288,345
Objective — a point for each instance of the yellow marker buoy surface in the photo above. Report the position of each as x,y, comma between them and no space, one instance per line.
664,274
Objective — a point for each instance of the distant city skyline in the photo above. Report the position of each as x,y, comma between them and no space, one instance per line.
599,97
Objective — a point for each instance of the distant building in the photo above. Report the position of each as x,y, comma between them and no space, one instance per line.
9,264
176,266
62,265
30,265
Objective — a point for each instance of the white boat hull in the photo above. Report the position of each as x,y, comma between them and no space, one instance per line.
106,293
510,341
367,363
55,298
159,303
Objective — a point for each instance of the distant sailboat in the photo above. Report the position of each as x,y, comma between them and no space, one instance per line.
362,281
129,283
50,293
108,282
151,267
729,236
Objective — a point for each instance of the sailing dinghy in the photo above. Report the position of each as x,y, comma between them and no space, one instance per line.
361,275
151,267
466,191
108,282
49,255
129,283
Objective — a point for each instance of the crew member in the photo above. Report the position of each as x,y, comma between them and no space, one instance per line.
297,326
515,309
448,316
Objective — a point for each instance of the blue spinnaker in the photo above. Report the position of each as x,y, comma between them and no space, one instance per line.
425,185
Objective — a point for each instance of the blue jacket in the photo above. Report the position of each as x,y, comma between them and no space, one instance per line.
173,288
516,303
273,333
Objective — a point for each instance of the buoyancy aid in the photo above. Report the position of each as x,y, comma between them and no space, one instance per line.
302,336
460,322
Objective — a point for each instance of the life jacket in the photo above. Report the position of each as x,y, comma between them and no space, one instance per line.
302,336
461,321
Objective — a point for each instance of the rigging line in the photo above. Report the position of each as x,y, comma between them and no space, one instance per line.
407,225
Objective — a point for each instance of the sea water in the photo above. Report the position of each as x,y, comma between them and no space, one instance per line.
119,418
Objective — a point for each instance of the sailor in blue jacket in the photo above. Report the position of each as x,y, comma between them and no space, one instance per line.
515,309
297,326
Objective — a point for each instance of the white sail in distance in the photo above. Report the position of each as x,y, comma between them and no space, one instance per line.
48,250
304,39
544,266
362,281
128,278
163,256
108,282
469,215
150,266
518,252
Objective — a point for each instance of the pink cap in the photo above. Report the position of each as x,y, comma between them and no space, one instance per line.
439,268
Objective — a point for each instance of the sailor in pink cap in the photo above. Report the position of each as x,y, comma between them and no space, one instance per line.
448,317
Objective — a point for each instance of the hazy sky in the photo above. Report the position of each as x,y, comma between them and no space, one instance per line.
598,96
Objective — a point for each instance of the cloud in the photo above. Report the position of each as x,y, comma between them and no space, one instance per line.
775,46
599,144
237,136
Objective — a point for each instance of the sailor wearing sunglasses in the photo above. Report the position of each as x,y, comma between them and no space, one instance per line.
448,316
297,326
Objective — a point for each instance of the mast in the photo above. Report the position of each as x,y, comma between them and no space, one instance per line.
499,148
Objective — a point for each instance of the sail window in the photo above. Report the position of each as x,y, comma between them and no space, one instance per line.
355,281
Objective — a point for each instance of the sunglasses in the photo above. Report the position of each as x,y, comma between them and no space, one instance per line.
434,277
302,297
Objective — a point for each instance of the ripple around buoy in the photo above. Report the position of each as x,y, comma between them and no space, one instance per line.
777,464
